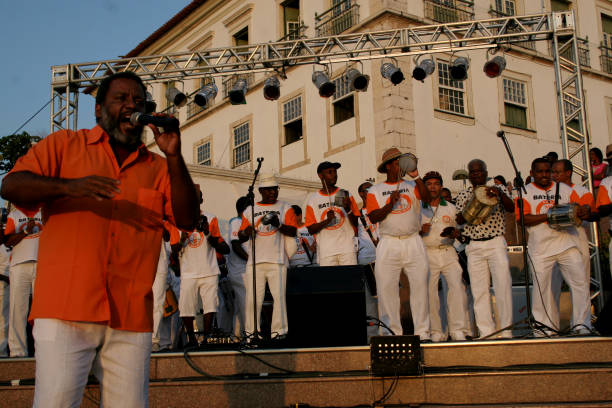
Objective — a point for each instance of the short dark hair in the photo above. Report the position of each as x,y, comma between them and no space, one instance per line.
241,204
447,190
501,179
106,82
296,209
553,156
567,164
539,160
597,152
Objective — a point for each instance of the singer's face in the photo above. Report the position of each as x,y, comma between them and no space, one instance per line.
124,97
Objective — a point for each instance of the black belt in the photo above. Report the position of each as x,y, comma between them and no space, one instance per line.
483,239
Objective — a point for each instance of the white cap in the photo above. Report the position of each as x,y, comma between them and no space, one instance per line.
268,180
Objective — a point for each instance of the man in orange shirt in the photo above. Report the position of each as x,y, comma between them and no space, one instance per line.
104,197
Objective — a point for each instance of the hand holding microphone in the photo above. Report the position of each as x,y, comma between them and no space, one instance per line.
169,141
167,122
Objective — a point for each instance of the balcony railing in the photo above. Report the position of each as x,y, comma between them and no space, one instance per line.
606,59
229,82
449,11
294,32
584,56
193,109
337,19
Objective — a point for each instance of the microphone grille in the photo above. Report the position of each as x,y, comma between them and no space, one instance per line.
134,118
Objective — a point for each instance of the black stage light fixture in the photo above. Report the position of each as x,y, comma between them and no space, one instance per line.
271,89
495,66
237,95
150,104
326,87
358,81
459,69
176,97
392,73
206,96
425,68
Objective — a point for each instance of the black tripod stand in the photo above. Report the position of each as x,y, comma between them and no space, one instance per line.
529,321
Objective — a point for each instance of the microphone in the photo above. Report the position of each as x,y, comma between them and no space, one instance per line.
138,118
501,133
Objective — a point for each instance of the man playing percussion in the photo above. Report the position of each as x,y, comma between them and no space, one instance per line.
331,215
273,220
550,246
395,205
438,230
487,251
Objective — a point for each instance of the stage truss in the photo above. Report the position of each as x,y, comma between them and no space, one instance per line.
559,27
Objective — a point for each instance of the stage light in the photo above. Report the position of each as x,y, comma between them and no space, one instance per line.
150,105
425,68
176,97
494,67
271,89
459,69
392,73
237,95
324,85
358,81
205,96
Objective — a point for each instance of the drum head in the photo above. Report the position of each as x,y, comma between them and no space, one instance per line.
481,195
408,162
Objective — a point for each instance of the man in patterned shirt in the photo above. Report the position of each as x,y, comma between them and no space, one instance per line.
487,254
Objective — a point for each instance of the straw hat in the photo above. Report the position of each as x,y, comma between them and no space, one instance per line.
268,180
389,155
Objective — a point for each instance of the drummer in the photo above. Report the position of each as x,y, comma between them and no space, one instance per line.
487,253
549,247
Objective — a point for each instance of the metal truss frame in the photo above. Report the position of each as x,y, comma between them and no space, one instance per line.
344,48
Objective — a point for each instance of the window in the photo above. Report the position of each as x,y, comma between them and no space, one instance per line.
291,19
292,120
343,100
242,37
559,5
242,145
203,154
606,43
505,7
515,103
451,94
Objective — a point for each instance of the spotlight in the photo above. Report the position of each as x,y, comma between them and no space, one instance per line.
271,89
205,96
459,69
425,68
237,95
324,85
494,67
176,97
358,81
392,73
150,105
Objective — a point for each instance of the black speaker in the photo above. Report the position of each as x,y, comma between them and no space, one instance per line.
326,306
603,324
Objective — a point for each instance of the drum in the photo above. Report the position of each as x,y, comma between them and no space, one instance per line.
407,163
339,198
480,206
563,216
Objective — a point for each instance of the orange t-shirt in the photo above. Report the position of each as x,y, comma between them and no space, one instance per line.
97,259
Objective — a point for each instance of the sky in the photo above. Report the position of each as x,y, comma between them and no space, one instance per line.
37,34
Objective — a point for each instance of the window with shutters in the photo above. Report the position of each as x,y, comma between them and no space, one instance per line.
241,144
343,100
515,103
292,120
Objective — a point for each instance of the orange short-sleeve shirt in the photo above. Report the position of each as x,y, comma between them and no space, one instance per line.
97,259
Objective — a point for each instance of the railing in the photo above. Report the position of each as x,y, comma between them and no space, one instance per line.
337,19
294,33
606,59
193,109
449,11
584,56
229,82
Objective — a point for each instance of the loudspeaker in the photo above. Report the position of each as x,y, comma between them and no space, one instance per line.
326,306
603,324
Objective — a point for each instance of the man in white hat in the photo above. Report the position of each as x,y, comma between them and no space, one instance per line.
331,215
271,220
395,205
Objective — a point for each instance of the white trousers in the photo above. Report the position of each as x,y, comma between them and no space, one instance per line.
394,256
4,318
571,266
276,276
22,285
349,258
159,296
444,261
67,351
488,260
236,322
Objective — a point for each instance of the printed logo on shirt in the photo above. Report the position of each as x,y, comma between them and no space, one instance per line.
446,219
265,230
402,205
544,206
32,233
338,221
195,239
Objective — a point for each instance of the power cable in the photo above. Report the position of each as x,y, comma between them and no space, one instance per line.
32,117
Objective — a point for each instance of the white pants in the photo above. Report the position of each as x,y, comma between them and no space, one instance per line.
488,260
348,258
239,306
66,352
371,304
276,276
22,285
394,256
159,296
4,318
196,290
571,266
444,261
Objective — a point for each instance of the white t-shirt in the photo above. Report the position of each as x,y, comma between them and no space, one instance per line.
337,237
301,257
367,250
543,240
270,245
199,258
27,249
235,264
405,218
440,217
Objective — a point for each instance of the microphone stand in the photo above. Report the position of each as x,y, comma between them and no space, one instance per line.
530,321
251,197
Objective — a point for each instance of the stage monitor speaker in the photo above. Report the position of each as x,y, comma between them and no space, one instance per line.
603,324
326,306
